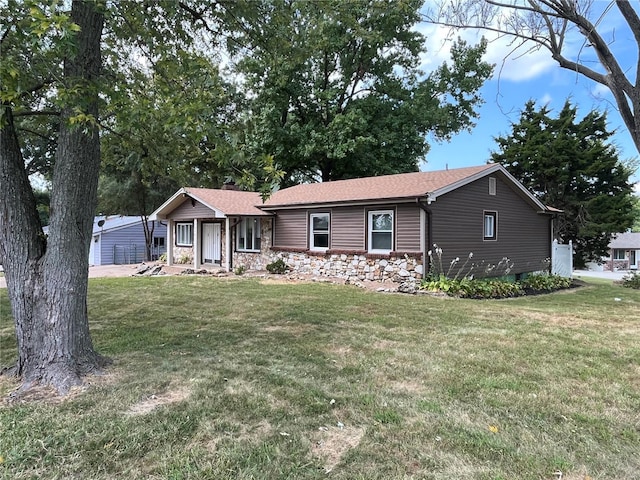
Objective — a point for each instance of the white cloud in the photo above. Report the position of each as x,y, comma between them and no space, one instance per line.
546,99
512,64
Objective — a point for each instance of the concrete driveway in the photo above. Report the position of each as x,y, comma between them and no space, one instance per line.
606,275
100,271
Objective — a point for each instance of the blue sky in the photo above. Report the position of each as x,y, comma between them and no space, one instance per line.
529,76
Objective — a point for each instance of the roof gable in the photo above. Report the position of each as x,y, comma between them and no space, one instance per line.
223,203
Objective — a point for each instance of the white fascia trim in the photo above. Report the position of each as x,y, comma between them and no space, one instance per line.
158,213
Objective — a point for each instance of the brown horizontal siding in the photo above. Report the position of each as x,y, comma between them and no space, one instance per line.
290,229
348,230
186,211
523,235
407,228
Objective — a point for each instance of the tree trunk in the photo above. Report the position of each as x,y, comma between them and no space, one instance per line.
47,278
148,236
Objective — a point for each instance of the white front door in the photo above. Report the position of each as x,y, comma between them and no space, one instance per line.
211,243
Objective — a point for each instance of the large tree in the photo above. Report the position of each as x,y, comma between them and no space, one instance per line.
570,164
62,61
47,277
337,91
555,25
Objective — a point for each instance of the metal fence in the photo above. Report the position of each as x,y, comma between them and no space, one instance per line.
128,254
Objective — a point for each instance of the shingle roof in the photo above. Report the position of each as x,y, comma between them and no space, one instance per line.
102,224
230,202
403,185
627,240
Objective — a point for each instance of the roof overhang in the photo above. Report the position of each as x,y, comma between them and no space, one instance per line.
376,201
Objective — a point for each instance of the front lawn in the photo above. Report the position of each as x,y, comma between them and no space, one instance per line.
255,379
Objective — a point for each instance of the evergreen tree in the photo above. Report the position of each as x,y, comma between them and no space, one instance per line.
573,166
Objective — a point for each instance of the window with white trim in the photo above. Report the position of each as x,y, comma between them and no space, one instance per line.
380,231
319,231
184,234
248,234
490,225
619,254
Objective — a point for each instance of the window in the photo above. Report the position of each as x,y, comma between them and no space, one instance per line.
319,231
492,185
248,234
380,231
184,234
490,225
158,242
619,254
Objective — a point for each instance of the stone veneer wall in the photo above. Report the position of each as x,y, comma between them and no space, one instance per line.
180,253
397,267
256,260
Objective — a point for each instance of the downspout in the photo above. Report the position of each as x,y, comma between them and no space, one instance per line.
426,260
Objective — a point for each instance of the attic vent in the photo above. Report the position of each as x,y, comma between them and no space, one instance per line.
492,185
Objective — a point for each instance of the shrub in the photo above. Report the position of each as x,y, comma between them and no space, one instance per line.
163,258
502,284
185,258
632,280
545,282
278,267
240,269
493,287
440,283
489,288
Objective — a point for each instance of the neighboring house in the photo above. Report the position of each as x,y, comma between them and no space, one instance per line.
624,252
120,239
370,228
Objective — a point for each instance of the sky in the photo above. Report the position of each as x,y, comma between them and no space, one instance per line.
530,76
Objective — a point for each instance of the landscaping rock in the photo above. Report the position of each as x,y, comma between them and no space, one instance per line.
142,268
407,287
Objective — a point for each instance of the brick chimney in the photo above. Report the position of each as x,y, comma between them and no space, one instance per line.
229,186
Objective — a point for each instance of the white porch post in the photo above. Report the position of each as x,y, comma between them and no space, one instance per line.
228,252
169,242
196,244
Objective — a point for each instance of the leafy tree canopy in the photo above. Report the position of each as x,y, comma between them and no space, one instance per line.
571,165
336,90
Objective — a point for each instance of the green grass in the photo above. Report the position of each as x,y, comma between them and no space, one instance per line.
243,379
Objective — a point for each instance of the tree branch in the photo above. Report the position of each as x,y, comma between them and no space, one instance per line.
33,132
36,87
36,113
197,16
633,20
